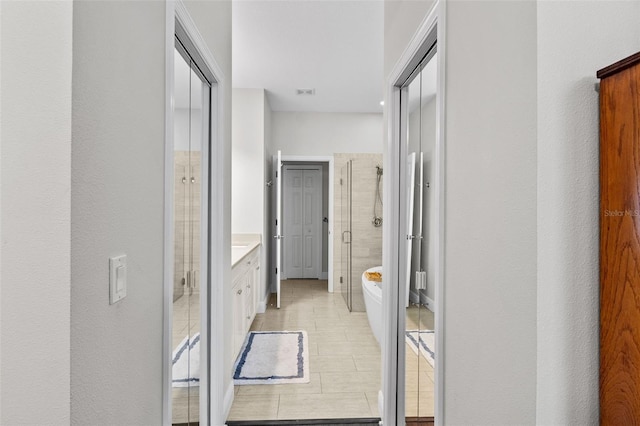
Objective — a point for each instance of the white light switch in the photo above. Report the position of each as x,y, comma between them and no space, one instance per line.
117,278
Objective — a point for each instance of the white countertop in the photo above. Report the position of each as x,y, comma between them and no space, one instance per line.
242,245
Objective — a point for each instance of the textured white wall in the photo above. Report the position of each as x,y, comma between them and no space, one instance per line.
490,211
313,133
35,164
118,202
490,242
117,207
247,186
575,39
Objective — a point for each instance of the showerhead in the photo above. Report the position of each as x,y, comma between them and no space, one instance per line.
379,170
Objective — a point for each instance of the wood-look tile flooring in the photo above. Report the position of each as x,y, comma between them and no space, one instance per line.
345,362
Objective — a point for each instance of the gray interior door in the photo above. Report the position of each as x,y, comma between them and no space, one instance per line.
302,220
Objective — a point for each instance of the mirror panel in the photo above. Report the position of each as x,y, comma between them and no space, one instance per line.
190,133
420,341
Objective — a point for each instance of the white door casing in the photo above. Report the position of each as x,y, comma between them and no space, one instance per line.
278,224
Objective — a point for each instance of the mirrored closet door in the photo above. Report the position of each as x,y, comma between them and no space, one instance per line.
191,138
419,102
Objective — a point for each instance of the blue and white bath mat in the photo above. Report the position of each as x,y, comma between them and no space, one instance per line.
185,370
423,339
273,357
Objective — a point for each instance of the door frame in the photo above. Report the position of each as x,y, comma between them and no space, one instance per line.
431,29
212,393
304,166
318,159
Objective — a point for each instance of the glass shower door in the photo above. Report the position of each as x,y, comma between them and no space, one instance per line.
345,228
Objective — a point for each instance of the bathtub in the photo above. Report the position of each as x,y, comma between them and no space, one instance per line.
372,292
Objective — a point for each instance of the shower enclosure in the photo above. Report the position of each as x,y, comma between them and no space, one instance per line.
358,195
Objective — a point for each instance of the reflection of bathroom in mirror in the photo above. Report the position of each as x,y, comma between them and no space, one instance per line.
419,263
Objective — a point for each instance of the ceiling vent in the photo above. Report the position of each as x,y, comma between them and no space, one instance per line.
305,92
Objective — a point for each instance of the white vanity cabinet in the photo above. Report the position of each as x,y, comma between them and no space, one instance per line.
245,276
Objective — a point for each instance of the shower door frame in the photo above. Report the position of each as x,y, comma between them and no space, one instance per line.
431,30
213,397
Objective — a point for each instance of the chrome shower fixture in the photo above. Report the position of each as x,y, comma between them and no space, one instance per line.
377,220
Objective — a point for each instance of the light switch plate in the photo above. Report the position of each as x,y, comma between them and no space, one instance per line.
117,278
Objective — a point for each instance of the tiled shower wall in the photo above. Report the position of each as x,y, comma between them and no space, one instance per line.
186,217
366,238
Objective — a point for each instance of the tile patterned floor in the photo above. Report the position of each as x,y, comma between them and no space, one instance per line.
345,361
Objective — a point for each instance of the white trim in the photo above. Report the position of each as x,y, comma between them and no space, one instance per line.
317,168
262,304
393,359
440,218
184,18
228,400
322,159
423,299
211,391
391,380
428,302
168,218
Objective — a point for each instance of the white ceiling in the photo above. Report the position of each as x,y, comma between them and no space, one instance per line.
332,46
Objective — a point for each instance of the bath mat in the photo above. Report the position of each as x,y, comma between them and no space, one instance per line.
273,357
425,340
185,370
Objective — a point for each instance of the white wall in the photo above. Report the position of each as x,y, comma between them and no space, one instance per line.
35,164
117,199
313,133
490,272
490,212
575,39
117,207
247,193
251,121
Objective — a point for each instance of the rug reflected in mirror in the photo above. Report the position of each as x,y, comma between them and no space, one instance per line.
185,370
273,357
424,340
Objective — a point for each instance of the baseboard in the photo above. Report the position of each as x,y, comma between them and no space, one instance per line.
414,297
262,304
371,421
428,302
228,400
